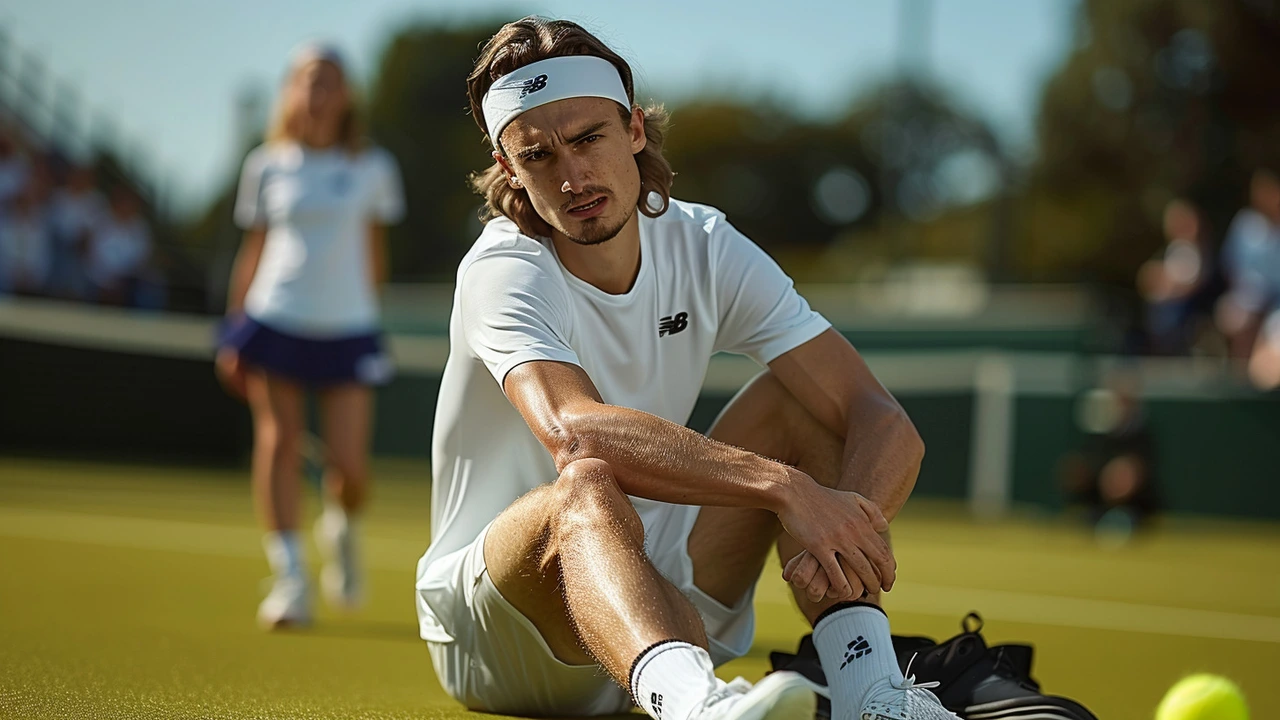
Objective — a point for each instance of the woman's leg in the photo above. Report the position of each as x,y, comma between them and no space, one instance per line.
346,416
278,421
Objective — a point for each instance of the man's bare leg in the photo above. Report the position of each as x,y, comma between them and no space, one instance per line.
570,557
729,546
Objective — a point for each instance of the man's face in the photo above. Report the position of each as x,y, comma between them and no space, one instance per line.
576,159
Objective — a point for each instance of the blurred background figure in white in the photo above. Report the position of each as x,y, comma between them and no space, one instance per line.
26,248
1114,475
13,167
1177,284
76,211
1251,261
302,314
120,249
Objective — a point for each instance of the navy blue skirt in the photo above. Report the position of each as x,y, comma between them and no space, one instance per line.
308,361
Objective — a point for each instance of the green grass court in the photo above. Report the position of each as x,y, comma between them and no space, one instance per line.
129,592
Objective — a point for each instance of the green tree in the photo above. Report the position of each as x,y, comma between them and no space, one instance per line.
1161,98
418,111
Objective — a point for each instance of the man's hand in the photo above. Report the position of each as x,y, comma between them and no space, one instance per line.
840,532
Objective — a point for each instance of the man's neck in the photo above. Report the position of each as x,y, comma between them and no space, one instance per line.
612,265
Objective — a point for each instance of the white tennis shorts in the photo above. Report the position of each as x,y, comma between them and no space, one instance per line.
499,662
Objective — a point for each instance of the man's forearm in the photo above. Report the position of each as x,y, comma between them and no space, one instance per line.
882,455
657,459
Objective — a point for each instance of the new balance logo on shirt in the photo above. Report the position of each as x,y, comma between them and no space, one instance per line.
672,324
856,649
533,85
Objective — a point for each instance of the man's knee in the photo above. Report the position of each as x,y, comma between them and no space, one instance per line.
590,498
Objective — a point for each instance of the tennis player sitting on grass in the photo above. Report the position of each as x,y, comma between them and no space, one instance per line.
577,524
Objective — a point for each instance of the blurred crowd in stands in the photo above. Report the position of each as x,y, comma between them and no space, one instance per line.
1209,296
67,234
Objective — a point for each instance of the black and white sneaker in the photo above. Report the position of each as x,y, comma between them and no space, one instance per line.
974,681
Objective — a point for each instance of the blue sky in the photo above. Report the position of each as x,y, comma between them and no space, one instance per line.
168,71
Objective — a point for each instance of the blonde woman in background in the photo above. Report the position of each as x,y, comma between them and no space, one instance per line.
302,315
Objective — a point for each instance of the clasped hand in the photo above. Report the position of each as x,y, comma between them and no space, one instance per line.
844,554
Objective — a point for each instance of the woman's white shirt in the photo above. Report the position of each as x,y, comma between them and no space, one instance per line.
316,205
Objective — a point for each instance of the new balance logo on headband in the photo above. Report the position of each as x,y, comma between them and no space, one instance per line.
533,85
529,87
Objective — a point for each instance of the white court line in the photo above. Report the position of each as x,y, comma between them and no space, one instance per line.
135,533
909,597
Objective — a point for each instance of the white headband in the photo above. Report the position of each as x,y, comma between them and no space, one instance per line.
547,81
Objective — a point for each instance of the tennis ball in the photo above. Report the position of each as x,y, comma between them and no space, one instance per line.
1203,697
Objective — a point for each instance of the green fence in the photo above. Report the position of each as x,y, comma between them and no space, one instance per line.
114,385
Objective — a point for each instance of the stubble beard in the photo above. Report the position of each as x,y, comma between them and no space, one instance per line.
593,231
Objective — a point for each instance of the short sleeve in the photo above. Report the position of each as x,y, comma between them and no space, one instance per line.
761,314
513,311
249,213
388,192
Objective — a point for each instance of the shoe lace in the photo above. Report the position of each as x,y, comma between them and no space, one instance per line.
909,681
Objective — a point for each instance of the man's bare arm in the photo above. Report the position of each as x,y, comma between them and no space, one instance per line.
650,456
657,459
882,451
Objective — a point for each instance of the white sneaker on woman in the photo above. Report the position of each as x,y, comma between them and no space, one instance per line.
287,605
341,579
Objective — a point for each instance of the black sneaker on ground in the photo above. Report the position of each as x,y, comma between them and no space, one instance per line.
975,681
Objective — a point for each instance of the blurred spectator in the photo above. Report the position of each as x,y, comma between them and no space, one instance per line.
75,211
1264,360
120,249
26,252
1251,261
1114,473
1177,284
13,168
1249,313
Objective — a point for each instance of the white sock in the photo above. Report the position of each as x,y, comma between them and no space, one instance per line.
284,553
856,651
669,679
336,519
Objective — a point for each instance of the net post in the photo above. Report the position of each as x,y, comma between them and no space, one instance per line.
991,449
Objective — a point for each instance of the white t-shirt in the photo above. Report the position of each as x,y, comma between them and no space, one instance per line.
314,277
118,250
702,288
